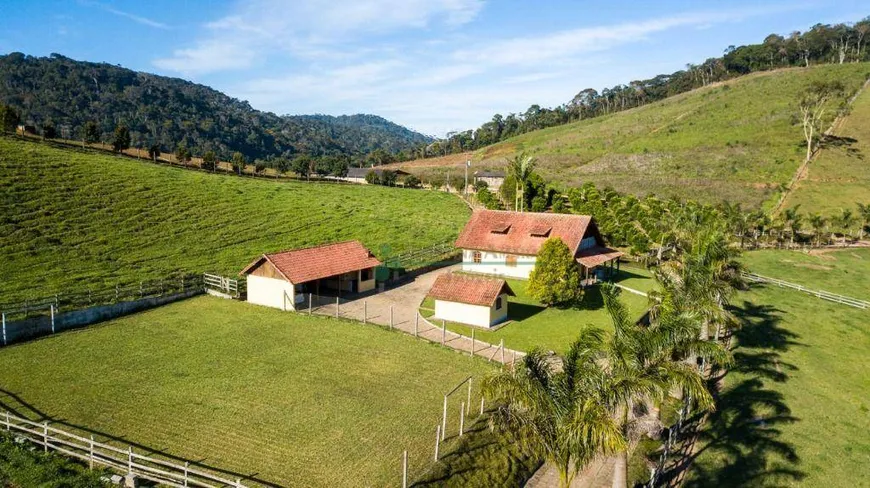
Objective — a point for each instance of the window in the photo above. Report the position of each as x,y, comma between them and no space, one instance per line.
498,303
365,274
510,261
476,257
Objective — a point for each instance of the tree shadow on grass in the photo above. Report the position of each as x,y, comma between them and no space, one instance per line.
480,459
741,441
18,406
522,311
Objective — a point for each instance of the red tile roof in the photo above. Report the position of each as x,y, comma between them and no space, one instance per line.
520,237
594,256
313,263
472,290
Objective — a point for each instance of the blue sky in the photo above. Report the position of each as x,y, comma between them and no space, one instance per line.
431,65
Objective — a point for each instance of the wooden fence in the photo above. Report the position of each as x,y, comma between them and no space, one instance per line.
825,295
222,284
121,459
425,256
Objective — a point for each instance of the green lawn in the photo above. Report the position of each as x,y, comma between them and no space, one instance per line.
736,141
72,219
286,398
839,177
553,328
846,272
794,410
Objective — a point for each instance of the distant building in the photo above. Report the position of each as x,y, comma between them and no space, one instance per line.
282,280
493,179
472,300
506,243
25,129
358,175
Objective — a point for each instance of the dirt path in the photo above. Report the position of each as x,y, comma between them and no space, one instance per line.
599,474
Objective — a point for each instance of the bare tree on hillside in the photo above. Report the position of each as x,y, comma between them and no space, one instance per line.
812,105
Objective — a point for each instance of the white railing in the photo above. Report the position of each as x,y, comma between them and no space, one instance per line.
825,295
223,284
116,458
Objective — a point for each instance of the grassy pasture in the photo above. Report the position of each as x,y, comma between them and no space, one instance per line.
553,328
74,219
289,399
736,141
794,410
839,177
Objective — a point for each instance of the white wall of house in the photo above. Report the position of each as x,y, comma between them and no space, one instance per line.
271,292
496,263
478,315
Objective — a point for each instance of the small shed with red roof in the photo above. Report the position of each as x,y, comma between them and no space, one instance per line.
506,243
472,300
283,279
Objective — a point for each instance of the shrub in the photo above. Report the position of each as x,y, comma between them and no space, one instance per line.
556,278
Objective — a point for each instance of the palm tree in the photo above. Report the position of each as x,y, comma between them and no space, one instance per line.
520,167
652,359
864,213
562,414
817,222
845,220
793,219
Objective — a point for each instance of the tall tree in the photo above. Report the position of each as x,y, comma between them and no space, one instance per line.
9,118
555,278
812,106
90,132
209,160
520,167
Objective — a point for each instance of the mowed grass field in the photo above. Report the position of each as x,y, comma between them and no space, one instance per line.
738,141
554,328
73,219
795,409
839,177
281,397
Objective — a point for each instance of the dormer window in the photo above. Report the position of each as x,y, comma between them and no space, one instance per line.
540,230
500,228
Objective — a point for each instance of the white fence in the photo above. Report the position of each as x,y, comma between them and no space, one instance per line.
231,287
116,458
825,295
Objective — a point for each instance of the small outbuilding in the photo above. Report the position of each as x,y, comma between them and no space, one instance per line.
283,279
493,179
471,300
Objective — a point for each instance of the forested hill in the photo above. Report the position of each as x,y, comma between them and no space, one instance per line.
66,94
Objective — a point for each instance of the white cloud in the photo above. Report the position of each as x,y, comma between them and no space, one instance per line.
135,18
307,29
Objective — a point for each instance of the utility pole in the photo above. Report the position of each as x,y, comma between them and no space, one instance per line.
467,164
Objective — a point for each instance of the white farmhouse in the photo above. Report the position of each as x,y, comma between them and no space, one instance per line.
283,280
472,300
506,243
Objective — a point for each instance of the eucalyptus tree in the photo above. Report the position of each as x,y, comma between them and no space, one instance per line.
560,411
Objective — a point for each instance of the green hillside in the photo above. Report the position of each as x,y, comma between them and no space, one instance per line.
737,140
74,219
839,176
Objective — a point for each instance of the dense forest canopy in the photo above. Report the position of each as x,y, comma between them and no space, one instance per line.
65,94
841,43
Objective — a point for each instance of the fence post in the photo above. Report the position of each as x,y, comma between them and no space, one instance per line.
461,419
336,307
501,345
51,308
141,290
238,483
182,283
468,400
130,460
45,435
481,405
416,322
437,441
444,419
117,292
443,332
309,304
186,467
405,469
365,311
4,328
91,454
472,342
8,424
391,317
